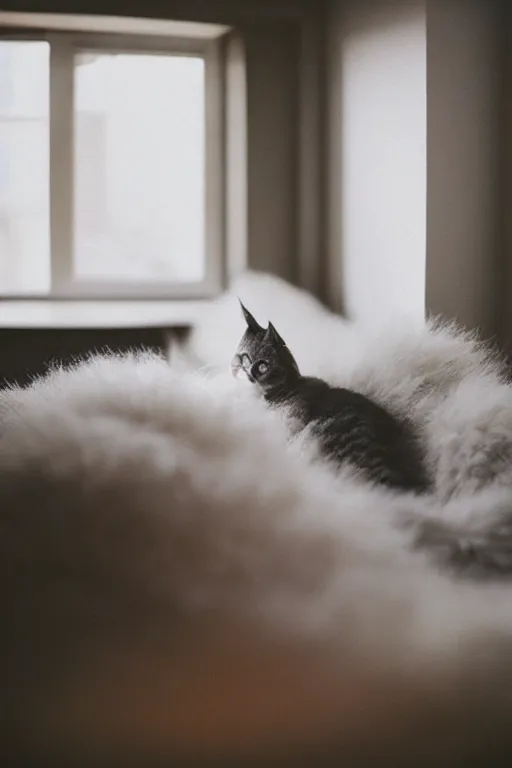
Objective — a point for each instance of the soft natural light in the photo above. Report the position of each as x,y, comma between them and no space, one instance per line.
24,167
139,167
138,176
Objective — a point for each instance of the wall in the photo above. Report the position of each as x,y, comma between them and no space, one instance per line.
463,266
271,60
414,151
507,180
377,221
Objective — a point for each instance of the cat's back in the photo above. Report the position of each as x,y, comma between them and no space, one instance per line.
324,401
352,427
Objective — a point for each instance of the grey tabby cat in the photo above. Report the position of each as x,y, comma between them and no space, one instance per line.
349,427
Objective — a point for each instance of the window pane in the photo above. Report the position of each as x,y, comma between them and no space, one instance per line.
24,167
139,167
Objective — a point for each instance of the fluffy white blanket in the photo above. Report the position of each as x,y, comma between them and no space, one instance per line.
178,576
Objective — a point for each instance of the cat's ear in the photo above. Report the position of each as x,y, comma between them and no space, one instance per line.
273,335
252,324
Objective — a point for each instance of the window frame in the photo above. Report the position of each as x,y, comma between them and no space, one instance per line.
63,47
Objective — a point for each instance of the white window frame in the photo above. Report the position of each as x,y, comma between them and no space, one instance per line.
63,47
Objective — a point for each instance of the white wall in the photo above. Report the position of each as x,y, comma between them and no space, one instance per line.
413,153
378,213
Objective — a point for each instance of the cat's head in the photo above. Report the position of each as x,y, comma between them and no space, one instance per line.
262,356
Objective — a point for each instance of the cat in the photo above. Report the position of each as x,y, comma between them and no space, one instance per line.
349,427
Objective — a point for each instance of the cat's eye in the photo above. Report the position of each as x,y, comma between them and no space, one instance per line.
262,367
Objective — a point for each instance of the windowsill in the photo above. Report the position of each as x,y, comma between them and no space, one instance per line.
48,314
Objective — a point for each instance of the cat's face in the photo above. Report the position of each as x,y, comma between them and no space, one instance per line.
262,357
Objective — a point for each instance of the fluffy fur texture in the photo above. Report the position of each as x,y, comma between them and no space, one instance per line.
450,386
171,586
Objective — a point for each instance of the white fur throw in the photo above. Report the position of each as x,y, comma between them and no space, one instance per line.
179,578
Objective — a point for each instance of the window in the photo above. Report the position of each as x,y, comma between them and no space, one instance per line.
24,167
111,160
